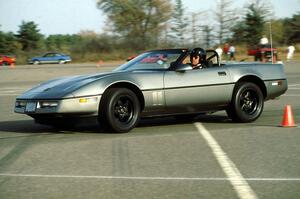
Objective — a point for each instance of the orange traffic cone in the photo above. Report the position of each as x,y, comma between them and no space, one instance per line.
288,118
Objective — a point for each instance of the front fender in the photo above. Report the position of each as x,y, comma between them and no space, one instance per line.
98,87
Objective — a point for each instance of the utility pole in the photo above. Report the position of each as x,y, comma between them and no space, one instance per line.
271,41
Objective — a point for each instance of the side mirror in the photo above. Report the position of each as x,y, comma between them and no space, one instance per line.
183,68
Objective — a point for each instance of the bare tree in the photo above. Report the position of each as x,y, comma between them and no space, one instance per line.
207,34
194,29
198,23
225,16
179,23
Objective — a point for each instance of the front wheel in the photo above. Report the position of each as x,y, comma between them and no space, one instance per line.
119,110
247,103
36,62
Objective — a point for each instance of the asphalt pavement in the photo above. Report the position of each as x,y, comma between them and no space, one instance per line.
209,157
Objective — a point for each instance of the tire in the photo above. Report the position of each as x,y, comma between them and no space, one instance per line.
61,62
36,62
247,103
119,110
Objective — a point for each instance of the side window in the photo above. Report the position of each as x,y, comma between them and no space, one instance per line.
158,60
154,58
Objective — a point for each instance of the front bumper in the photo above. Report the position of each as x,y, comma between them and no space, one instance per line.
78,106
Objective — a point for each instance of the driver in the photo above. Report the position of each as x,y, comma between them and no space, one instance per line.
198,58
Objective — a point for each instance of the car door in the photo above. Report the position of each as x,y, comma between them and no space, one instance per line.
198,89
57,57
48,58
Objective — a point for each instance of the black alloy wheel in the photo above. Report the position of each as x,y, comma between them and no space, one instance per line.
119,110
247,103
123,109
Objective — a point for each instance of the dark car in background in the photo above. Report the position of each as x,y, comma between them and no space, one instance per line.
7,60
51,58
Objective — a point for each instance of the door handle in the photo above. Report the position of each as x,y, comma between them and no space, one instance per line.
222,73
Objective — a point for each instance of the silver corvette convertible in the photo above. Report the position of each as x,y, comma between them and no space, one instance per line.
157,83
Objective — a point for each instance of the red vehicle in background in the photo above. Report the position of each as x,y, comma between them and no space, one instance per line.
264,53
150,59
7,60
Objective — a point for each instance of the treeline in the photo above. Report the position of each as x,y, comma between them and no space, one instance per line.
135,26
166,23
86,46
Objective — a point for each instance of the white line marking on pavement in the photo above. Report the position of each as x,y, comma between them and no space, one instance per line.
18,89
10,92
294,88
15,94
238,182
142,178
290,85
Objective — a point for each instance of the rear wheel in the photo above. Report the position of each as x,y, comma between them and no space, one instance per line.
61,62
119,110
247,103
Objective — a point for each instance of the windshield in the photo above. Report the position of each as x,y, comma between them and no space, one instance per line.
160,60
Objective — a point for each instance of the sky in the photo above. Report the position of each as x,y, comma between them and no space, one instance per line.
72,16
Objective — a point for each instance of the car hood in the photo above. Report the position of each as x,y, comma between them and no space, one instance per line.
61,87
